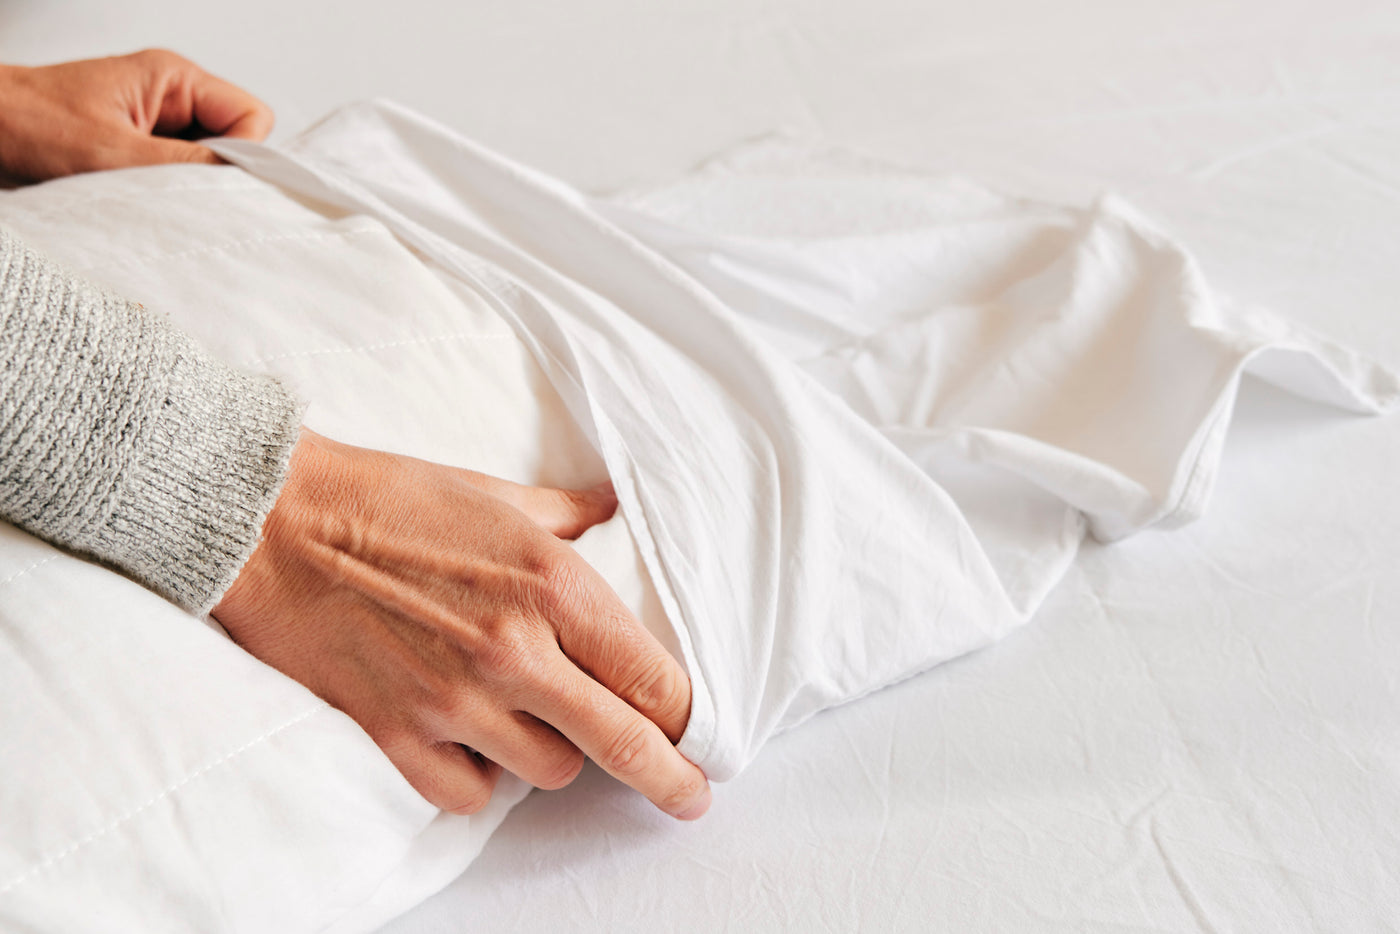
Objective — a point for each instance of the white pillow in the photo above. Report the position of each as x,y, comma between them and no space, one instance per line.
847,458
156,777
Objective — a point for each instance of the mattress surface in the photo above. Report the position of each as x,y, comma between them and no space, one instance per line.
1199,731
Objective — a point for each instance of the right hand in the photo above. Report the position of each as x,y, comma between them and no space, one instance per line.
111,113
439,608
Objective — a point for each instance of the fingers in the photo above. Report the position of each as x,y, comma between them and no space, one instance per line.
562,513
445,773
156,150
428,609
528,747
186,98
627,745
226,110
597,631
101,114
569,513
593,627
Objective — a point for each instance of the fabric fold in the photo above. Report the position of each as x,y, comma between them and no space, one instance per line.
854,436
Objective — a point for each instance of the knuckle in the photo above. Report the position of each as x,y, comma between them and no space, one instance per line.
160,56
443,705
191,153
466,801
477,792
561,587
562,771
438,784
546,564
682,794
579,501
657,687
469,802
507,654
626,756
573,497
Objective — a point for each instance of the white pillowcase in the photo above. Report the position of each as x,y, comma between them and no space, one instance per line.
859,420
156,777
859,423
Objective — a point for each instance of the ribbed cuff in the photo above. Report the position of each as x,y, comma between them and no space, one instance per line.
121,438
188,513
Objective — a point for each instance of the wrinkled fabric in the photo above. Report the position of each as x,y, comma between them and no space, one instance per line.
861,425
157,777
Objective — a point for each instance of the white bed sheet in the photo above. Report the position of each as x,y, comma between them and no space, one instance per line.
1200,730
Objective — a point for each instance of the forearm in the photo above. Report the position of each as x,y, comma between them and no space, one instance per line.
122,439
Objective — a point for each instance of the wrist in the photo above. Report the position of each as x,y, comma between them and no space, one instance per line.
309,510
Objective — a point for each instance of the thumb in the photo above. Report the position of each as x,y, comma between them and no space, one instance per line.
563,513
159,150
570,513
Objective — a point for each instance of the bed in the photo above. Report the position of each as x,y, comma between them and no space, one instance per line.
1198,728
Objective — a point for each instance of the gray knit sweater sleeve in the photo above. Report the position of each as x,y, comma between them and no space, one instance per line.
123,440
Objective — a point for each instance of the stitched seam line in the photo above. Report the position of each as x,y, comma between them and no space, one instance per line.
384,345
49,861
234,245
33,567
70,203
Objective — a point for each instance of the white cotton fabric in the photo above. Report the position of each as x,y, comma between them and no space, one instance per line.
859,422
861,428
156,777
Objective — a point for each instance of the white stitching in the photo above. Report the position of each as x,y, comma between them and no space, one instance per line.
234,244
62,205
37,564
384,345
72,848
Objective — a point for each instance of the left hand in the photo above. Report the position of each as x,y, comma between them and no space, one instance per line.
441,609
111,113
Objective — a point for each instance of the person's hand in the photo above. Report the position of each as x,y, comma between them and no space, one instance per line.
440,609
110,113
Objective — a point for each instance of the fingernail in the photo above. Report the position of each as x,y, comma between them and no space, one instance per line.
698,808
